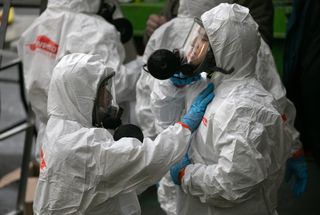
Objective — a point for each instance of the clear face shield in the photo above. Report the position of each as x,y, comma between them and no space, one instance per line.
195,48
194,57
106,112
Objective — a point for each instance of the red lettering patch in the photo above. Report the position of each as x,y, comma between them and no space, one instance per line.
284,117
43,164
204,121
44,43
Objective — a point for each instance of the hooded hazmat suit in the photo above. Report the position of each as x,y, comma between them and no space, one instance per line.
82,169
240,149
172,35
70,26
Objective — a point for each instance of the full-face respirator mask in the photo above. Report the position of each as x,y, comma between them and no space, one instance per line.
106,113
194,57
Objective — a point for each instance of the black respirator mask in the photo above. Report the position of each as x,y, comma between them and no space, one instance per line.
123,25
106,113
194,57
128,130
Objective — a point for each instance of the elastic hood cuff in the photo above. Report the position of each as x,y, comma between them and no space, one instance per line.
184,125
297,154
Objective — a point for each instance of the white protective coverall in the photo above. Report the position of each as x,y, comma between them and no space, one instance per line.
169,36
268,76
172,35
169,39
82,169
240,149
70,26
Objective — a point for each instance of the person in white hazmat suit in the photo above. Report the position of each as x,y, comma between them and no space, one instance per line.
168,36
70,26
82,169
172,35
237,156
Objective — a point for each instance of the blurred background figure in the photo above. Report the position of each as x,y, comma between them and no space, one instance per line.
301,72
70,26
169,11
261,10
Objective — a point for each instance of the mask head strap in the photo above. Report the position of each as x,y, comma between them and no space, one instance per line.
106,11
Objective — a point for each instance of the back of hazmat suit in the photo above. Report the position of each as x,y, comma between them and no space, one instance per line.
70,26
82,169
240,149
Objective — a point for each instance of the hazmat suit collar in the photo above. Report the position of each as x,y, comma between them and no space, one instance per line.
195,8
234,39
78,6
74,86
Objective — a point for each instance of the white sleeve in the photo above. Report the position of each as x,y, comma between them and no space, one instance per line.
144,87
290,112
128,164
167,103
143,111
268,76
125,82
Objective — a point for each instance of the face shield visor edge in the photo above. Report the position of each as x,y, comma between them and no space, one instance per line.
106,113
194,57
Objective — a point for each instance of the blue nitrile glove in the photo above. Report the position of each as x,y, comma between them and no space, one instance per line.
180,80
175,170
297,168
194,115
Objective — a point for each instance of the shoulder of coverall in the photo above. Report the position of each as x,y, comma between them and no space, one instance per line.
170,9
195,8
77,6
262,12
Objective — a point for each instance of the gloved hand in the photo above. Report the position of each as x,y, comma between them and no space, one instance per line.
177,170
297,167
180,80
194,115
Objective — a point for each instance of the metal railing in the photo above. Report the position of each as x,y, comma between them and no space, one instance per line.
26,125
